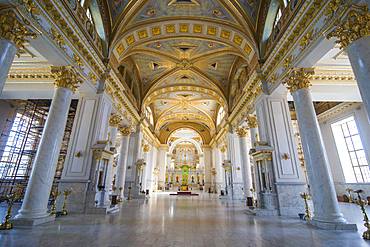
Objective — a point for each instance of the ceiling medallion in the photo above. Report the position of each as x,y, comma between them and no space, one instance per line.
185,64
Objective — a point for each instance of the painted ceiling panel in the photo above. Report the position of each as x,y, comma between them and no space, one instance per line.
217,68
151,67
251,7
166,8
116,7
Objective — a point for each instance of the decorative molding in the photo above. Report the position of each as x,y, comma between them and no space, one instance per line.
66,77
299,78
354,26
337,110
13,30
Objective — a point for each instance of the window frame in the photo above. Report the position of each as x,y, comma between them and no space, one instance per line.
364,148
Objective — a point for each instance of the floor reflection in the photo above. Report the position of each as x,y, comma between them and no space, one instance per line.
165,220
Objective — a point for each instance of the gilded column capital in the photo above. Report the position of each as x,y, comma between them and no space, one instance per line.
355,26
66,77
252,121
115,120
242,131
125,131
299,78
13,30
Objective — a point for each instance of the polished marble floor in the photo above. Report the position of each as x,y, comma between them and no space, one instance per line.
165,220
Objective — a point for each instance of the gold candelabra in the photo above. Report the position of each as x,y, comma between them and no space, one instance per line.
53,210
10,199
66,193
306,197
129,193
120,195
349,191
252,190
363,203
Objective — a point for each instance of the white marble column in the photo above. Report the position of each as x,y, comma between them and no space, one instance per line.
114,121
253,128
326,208
162,163
132,173
207,167
353,34
148,173
122,160
246,167
34,208
13,35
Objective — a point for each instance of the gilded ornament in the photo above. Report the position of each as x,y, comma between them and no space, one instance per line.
333,7
355,26
197,28
146,148
115,120
78,60
242,131
143,34
125,131
58,38
299,78
130,39
30,6
66,77
306,39
13,30
252,121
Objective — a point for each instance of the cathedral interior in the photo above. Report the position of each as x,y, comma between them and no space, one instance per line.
184,122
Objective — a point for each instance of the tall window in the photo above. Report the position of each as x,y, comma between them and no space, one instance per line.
278,16
220,115
351,152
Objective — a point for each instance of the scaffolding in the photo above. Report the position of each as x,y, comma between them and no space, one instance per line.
20,139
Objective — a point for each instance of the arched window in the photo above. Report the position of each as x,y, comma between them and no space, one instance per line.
88,14
278,16
82,2
149,115
220,115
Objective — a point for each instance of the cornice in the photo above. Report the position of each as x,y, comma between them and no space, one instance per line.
337,110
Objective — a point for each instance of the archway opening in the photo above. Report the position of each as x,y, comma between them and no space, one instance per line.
185,169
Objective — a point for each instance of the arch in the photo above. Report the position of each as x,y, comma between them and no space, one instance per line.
178,141
163,30
205,135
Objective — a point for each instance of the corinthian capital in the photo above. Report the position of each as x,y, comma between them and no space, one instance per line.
242,131
299,78
252,121
66,77
355,26
115,120
13,30
125,131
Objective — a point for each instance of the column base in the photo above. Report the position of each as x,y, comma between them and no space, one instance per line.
32,221
333,226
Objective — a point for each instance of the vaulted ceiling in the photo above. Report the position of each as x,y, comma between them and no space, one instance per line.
188,55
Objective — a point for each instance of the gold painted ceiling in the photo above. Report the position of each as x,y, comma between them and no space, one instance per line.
189,57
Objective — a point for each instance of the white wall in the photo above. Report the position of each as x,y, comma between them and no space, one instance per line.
363,125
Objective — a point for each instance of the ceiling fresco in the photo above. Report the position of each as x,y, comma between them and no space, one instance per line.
189,55
169,8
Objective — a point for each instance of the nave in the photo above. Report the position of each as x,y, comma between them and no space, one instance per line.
164,220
